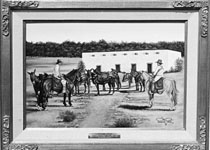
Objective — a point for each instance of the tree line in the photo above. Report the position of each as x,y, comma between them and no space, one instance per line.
75,49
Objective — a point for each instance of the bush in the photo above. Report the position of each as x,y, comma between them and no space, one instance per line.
124,122
179,65
67,116
81,66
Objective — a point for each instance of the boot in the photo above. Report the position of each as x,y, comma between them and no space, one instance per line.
152,87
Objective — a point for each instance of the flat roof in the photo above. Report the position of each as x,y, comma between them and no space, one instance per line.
131,51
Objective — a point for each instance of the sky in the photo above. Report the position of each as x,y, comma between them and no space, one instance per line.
111,32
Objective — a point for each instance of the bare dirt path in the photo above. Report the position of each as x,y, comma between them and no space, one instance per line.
100,110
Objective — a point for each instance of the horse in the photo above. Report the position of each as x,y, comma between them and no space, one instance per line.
125,77
139,80
35,81
121,77
101,78
84,77
50,83
169,86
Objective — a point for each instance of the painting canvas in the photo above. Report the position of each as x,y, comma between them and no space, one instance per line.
117,75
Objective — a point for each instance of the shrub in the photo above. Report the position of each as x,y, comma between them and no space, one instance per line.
179,64
81,66
124,122
67,116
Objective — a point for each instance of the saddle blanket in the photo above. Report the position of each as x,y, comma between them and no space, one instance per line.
159,84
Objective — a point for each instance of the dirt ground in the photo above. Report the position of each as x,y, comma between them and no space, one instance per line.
103,111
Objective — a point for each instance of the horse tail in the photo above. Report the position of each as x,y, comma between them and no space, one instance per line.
174,92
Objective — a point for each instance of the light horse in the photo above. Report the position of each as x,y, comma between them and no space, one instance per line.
169,86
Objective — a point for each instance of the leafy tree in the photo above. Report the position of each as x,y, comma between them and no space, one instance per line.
75,49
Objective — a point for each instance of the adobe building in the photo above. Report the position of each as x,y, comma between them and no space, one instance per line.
126,60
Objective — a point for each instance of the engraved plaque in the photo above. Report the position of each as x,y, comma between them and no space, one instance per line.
103,135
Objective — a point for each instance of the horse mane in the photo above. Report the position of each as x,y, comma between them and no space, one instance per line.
148,76
72,74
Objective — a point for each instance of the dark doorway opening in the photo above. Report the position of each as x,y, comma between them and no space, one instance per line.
117,67
133,67
98,68
149,67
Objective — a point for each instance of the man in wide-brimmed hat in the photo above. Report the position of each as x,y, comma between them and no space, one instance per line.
57,74
56,69
159,71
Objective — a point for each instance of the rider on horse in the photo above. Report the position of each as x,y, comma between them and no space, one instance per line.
57,74
158,74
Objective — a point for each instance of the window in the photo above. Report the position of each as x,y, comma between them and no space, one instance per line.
135,53
157,52
93,55
114,54
146,53
125,54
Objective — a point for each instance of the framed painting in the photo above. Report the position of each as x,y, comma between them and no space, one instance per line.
104,75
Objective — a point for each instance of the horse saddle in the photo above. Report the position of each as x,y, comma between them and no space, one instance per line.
103,76
56,80
159,84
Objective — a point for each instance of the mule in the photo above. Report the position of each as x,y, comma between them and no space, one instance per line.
35,81
84,78
101,78
125,77
169,86
139,80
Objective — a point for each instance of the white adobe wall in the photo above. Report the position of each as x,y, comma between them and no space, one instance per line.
107,60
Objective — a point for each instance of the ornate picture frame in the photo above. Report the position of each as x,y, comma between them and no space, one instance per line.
192,13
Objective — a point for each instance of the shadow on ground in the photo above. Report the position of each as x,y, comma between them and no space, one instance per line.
146,108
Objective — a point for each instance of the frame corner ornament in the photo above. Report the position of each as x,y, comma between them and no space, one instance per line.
202,138
5,132
23,147
6,10
203,5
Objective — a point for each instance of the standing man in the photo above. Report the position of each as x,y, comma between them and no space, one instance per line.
159,71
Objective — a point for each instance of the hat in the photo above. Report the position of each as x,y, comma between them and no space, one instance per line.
58,61
159,61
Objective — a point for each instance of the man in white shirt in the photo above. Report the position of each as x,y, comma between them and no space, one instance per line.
57,74
159,71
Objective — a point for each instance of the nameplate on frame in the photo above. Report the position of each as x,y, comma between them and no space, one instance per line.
103,135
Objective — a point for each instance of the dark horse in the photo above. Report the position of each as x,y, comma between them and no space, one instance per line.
35,81
169,86
122,77
83,77
139,80
37,84
50,83
102,78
